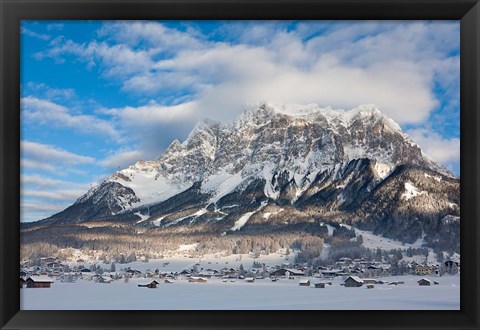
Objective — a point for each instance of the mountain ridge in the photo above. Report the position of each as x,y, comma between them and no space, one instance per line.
317,163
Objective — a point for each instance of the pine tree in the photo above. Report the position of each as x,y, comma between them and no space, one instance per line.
360,239
241,270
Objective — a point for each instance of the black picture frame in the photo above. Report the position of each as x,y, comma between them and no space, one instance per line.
12,11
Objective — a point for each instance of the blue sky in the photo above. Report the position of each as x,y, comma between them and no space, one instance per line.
97,96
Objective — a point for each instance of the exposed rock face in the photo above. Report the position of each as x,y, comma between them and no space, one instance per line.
308,162
102,201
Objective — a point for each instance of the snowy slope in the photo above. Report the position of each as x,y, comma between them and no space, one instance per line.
213,153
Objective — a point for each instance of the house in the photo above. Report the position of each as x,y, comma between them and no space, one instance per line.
320,285
54,266
207,273
356,271
133,272
374,270
423,270
95,277
232,273
331,273
373,267
104,279
185,273
22,282
249,279
287,272
345,261
152,285
39,282
369,281
196,279
424,282
168,281
34,269
304,282
161,275
149,274
353,282
360,261
370,286
45,261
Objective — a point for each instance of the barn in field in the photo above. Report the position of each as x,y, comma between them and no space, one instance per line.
304,282
39,282
152,285
369,281
353,282
424,282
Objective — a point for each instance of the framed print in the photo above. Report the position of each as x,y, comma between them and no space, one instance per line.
203,164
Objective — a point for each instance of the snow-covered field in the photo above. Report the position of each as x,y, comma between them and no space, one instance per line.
179,262
263,294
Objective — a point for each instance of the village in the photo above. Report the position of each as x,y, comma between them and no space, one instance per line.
352,272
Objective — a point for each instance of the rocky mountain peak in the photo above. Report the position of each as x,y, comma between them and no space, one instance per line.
305,157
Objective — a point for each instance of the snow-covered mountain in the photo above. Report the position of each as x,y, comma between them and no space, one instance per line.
276,166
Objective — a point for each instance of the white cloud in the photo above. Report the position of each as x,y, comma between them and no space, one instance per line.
158,36
37,165
445,151
34,210
42,196
48,182
118,60
33,34
396,65
390,64
49,154
26,216
153,127
55,26
41,181
48,92
43,112
122,159
41,206
61,195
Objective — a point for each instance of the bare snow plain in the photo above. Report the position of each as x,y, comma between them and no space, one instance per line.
263,294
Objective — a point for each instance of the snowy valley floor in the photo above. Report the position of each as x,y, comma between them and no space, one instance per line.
261,295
